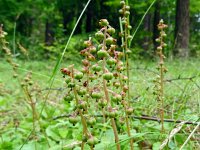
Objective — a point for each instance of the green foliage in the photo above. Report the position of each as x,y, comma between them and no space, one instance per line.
13,105
31,18
34,116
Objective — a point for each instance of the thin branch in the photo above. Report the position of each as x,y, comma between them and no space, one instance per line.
143,68
144,117
179,78
165,120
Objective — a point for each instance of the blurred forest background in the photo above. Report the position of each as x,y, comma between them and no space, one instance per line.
40,28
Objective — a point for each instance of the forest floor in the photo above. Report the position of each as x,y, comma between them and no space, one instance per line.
181,100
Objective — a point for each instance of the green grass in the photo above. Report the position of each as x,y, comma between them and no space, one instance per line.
181,102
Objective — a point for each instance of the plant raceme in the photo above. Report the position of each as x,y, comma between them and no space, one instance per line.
99,87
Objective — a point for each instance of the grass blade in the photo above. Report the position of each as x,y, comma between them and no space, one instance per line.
134,33
55,70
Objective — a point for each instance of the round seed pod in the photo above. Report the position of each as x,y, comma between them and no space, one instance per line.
111,30
127,7
82,91
111,61
102,53
78,75
71,84
69,97
127,13
92,141
122,2
85,62
129,27
91,121
103,22
87,43
92,77
82,104
129,111
93,49
109,41
102,103
68,80
116,84
99,35
73,119
107,76
96,68
65,71
96,95
116,98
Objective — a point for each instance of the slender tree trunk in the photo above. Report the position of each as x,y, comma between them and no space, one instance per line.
182,29
89,21
65,21
155,23
49,38
147,29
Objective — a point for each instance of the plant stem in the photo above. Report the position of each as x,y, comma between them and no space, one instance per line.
115,133
32,104
127,61
126,34
161,84
162,101
83,121
126,117
107,96
129,132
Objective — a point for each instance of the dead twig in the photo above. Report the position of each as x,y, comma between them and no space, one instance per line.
144,117
171,135
186,141
181,78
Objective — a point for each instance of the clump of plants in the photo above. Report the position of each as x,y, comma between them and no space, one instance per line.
101,86
26,83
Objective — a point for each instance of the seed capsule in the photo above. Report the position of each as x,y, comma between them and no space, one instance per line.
111,61
82,91
87,43
99,35
111,30
96,95
122,3
96,68
73,119
78,75
102,53
92,141
82,104
129,111
91,121
116,98
93,49
103,22
109,41
108,76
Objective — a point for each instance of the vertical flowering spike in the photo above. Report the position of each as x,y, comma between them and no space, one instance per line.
162,69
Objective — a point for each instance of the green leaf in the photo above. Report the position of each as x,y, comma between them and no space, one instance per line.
156,146
53,133
6,145
172,145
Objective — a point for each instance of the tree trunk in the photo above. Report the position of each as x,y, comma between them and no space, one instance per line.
147,29
155,23
89,20
49,38
182,29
